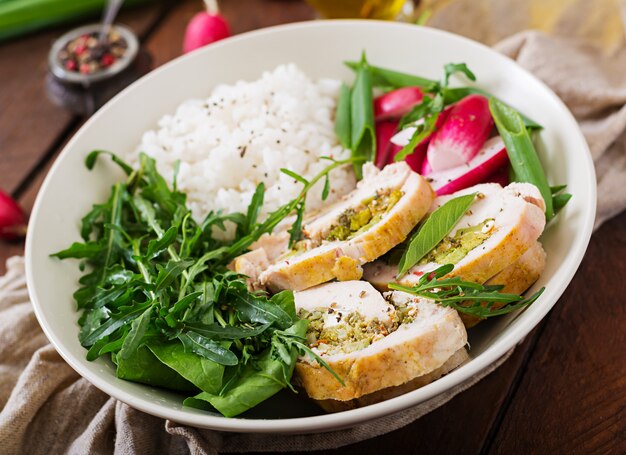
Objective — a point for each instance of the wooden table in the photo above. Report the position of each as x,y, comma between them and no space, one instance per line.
562,391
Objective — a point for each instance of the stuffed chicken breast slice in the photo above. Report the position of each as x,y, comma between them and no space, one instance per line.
366,224
403,339
499,227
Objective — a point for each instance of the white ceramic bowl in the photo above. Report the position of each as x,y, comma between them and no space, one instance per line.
319,48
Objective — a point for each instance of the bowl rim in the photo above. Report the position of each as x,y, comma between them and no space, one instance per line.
514,334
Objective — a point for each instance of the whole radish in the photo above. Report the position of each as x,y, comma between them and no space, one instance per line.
12,218
205,27
384,130
464,132
396,103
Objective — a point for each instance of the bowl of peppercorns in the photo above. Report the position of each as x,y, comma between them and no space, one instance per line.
88,66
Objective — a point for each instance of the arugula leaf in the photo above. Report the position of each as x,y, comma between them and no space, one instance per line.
433,230
256,309
90,160
464,296
134,339
170,272
254,208
207,348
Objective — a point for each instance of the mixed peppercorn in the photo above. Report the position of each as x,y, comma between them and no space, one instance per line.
87,54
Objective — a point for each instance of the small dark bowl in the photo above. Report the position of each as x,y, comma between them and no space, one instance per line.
82,93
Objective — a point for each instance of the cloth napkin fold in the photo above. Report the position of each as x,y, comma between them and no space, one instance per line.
48,408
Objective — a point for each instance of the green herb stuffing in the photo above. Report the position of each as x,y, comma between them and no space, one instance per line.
351,333
454,248
158,298
355,221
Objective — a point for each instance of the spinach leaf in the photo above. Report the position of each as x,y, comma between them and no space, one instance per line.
143,366
203,373
256,382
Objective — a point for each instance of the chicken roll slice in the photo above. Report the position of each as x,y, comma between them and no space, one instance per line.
372,342
375,217
499,227
516,278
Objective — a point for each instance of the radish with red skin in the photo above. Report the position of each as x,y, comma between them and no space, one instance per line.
384,130
205,28
414,160
491,157
500,176
12,218
425,168
462,135
396,103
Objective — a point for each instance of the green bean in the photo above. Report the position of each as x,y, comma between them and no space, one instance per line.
524,159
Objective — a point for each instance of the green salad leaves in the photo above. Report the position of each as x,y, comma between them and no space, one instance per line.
157,295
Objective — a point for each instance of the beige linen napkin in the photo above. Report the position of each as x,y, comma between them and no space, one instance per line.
48,408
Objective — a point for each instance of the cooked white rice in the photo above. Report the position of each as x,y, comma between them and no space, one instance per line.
242,135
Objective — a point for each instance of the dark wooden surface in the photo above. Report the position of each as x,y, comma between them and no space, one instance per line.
562,391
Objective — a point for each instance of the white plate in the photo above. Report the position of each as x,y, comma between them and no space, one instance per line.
318,48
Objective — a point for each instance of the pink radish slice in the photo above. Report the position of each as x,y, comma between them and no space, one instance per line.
414,160
464,132
500,176
426,169
403,137
490,158
396,103
384,131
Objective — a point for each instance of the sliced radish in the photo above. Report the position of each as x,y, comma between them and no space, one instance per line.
491,157
500,176
384,131
396,103
414,160
464,132
403,137
426,169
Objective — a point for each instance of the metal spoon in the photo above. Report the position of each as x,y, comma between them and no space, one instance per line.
112,8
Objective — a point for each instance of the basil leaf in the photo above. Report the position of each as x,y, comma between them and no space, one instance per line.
435,228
